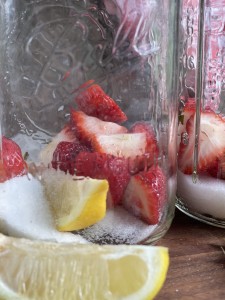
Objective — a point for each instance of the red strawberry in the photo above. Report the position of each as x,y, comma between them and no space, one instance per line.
152,150
121,145
218,168
211,143
185,114
64,156
94,102
87,128
188,110
65,135
12,163
104,166
145,127
145,194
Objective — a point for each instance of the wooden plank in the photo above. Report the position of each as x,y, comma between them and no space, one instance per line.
197,260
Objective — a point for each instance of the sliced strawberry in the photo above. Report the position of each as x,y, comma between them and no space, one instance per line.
217,169
128,145
65,135
12,163
145,127
3,175
140,146
211,143
187,111
104,166
94,102
152,150
64,155
145,195
87,128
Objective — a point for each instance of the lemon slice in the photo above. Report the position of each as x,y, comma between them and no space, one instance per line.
41,270
76,202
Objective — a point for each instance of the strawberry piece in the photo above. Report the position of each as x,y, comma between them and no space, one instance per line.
145,127
188,110
140,146
121,145
217,169
87,128
186,113
64,156
12,163
95,102
152,150
211,143
65,135
145,195
104,166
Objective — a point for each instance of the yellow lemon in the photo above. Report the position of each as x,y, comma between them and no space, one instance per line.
41,271
76,202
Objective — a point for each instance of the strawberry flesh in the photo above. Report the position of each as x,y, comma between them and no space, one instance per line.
65,135
187,111
145,195
145,127
152,150
104,166
12,163
87,128
64,156
211,143
95,102
128,145
217,169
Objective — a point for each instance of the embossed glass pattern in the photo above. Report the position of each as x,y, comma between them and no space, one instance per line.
51,53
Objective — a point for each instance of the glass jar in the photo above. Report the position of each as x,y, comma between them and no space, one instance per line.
201,131
89,119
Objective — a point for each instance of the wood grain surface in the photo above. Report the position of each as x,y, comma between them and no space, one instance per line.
197,260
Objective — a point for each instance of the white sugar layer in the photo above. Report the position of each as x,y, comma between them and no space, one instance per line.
24,212
207,196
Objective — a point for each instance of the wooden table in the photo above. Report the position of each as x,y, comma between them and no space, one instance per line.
197,261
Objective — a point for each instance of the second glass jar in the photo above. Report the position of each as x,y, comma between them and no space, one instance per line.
201,132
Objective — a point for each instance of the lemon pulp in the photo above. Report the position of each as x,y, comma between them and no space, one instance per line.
42,270
76,202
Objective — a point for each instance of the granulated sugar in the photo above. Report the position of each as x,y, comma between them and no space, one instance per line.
207,196
118,227
24,212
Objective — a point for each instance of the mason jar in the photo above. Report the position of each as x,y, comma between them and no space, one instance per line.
89,114
201,131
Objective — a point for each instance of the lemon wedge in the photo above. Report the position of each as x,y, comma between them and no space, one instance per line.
76,202
41,270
